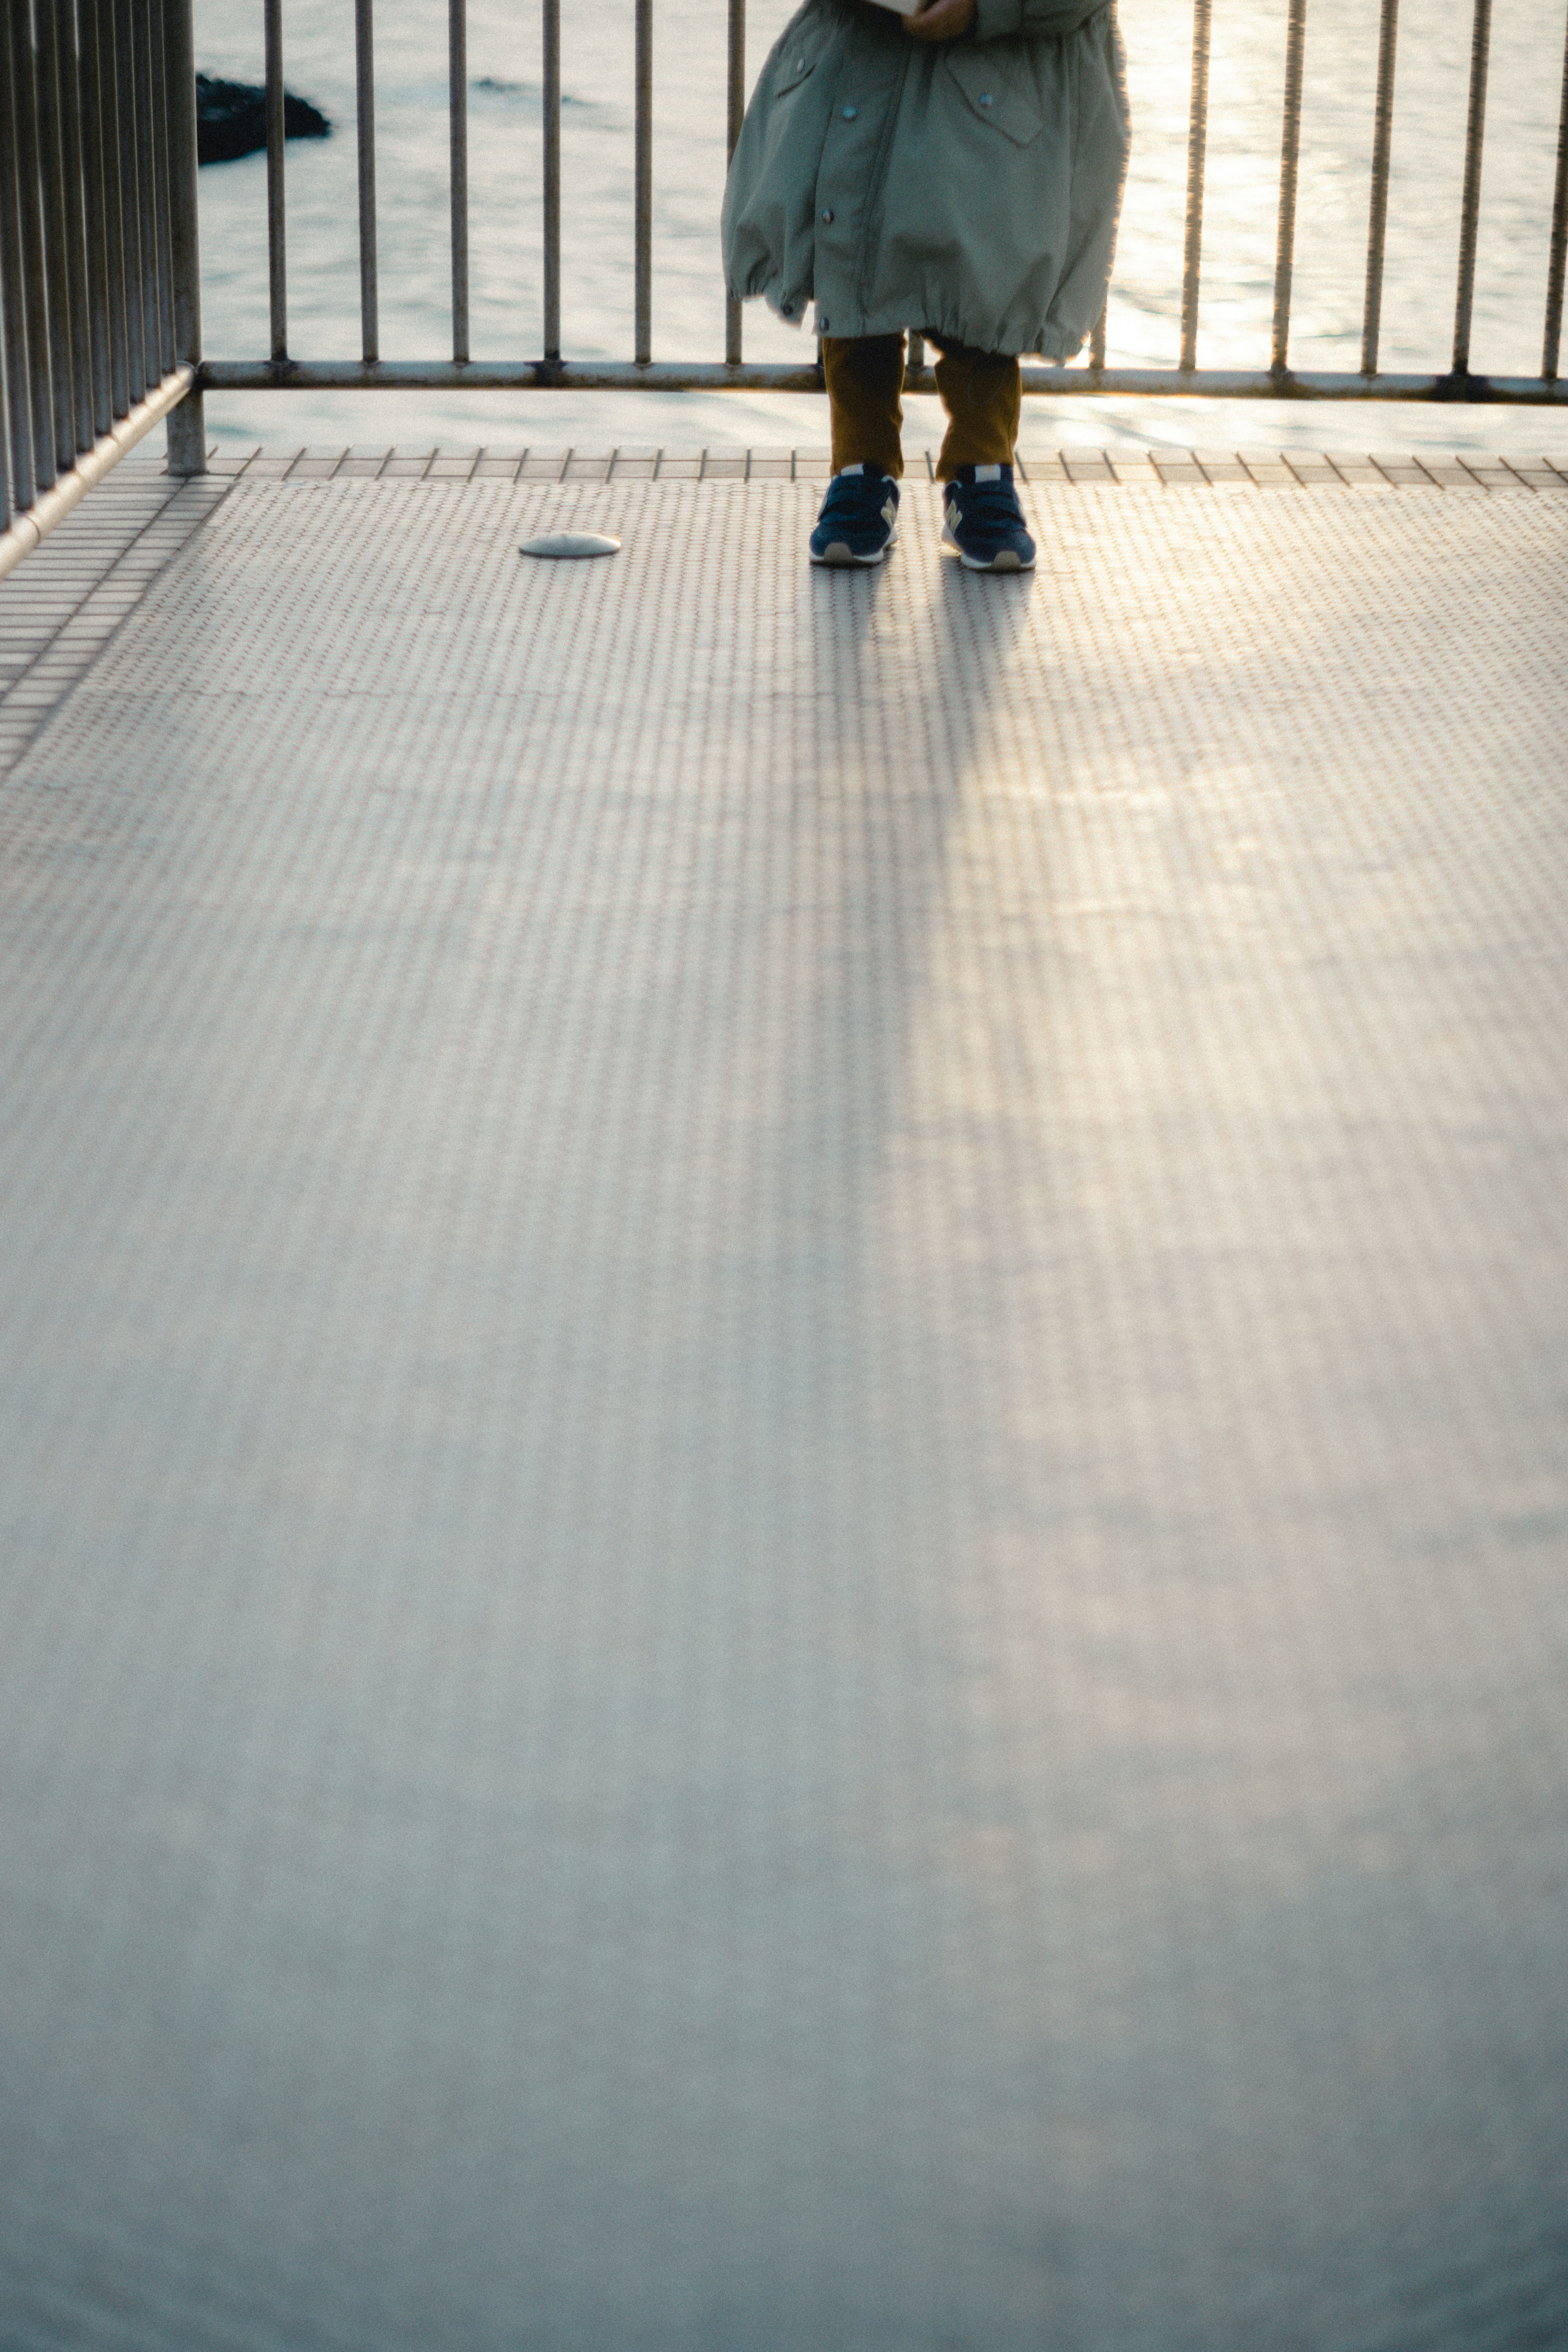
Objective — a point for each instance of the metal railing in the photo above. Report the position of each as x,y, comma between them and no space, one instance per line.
552,370
99,277
100,286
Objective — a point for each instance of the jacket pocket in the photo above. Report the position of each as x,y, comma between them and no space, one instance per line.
794,67
989,79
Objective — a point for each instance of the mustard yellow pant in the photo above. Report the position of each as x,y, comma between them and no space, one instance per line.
981,391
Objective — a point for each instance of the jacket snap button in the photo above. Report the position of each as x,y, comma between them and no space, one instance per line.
824,324
985,98
788,309
827,215
850,113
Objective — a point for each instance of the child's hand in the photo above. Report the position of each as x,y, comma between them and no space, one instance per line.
941,20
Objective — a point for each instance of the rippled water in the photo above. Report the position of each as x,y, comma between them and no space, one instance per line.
504,175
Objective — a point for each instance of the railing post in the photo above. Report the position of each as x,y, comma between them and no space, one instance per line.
733,353
1197,140
1470,206
22,484
457,106
186,428
552,183
56,264
16,429
30,226
1382,154
95,215
73,220
1289,163
1551,341
164,182
643,168
147,199
130,216
276,232
4,407
365,133
114,235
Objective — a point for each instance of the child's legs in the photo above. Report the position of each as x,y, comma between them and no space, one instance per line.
982,393
864,376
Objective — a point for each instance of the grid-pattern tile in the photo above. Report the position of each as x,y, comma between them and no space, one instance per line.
63,602
786,1548
1190,468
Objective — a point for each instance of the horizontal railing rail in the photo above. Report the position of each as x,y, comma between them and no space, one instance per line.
99,283
551,369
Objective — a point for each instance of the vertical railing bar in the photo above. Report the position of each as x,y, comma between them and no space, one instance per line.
1470,210
1382,156
644,224
553,183
1198,138
1290,169
7,147
95,221
40,377
156,16
365,133
186,430
132,149
117,239
147,194
133,193
77,223
733,331
130,215
458,82
914,359
1097,341
56,261
1551,341
277,258
13,279
4,402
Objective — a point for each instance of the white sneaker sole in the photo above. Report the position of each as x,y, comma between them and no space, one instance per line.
1006,562
836,555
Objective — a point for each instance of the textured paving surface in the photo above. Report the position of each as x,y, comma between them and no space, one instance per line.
786,1533
60,608
1043,465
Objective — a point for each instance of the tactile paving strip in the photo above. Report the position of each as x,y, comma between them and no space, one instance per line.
786,1548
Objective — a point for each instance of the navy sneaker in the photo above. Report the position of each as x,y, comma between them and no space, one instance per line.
983,522
859,517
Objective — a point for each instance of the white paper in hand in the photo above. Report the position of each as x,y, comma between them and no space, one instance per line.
902,7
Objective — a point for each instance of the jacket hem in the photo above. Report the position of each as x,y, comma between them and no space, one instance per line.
1054,344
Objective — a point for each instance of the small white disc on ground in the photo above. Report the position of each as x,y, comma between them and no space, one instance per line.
571,542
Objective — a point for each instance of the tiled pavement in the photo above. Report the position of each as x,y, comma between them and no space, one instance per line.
1194,469
73,593
61,607
784,1542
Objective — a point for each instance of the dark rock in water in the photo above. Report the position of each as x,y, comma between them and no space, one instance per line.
231,120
